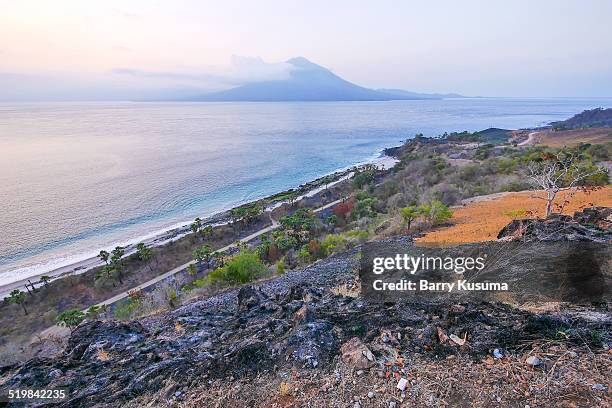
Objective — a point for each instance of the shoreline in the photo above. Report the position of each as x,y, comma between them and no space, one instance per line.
382,159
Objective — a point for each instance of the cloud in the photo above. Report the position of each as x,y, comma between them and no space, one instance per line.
138,84
241,71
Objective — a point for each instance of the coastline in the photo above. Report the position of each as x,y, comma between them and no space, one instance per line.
383,159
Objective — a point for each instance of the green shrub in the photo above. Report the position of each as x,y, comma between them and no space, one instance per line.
126,309
301,220
362,178
359,235
280,266
435,212
242,268
334,243
71,318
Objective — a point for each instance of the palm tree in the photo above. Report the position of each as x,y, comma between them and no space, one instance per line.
107,274
104,256
208,230
18,297
220,258
117,254
192,270
71,318
45,280
195,227
144,253
203,254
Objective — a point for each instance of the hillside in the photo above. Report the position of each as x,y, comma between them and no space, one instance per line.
309,337
599,117
307,82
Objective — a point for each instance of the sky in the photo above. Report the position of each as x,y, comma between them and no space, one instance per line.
80,49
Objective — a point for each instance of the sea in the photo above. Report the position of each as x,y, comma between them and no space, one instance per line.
76,178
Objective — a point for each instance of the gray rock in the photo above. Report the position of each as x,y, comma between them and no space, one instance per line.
533,361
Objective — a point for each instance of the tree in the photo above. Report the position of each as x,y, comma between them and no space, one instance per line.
106,274
104,256
207,231
327,180
343,209
435,212
144,253
220,258
252,212
192,270
195,226
363,178
45,280
117,254
71,318
301,220
555,173
93,311
18,297
203,254
332,220
409,214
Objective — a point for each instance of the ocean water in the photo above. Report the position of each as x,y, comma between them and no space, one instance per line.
79,177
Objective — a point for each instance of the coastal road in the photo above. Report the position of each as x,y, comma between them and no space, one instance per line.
531,139
62,331
181,268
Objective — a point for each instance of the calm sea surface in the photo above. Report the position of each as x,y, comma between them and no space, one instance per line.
79,177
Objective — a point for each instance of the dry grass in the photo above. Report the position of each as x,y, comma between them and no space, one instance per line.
482,221
573,137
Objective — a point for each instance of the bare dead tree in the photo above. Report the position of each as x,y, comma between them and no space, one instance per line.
557,173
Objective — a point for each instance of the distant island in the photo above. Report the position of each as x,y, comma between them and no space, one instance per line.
310,82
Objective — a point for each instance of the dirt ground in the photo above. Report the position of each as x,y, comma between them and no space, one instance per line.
481,221
567,377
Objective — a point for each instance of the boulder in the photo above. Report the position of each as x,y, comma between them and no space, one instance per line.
592,224
357,354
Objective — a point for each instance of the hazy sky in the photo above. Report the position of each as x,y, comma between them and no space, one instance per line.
115,49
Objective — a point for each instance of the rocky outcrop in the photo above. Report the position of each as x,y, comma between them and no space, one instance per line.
592,224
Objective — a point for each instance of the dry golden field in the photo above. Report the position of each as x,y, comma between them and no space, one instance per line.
481,221
572,137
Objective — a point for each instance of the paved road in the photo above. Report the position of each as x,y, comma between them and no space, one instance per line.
62,331
178,269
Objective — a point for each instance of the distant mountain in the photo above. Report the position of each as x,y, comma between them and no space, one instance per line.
307,82
417,95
